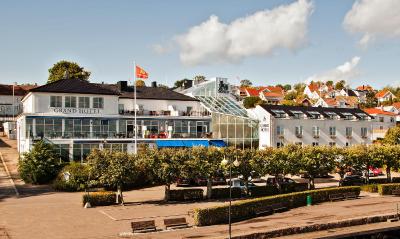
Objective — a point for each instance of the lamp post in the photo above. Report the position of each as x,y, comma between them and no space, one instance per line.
236,163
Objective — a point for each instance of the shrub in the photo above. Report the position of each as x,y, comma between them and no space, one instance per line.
260,191
99,198
186,194
223,193
372,188
386,189
78,178
247,208
40,165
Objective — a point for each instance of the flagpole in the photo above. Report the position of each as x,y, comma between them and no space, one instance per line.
134,103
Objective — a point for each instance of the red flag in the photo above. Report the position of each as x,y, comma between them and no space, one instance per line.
141,74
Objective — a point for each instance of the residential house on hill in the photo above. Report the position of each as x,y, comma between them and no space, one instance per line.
384,95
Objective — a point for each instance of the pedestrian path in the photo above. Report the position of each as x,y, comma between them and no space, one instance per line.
8,168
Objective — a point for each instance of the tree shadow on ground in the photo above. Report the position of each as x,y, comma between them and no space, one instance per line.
4,144
26,190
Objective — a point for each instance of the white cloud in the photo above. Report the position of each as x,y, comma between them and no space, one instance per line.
346,71
161,49
374,18
258,34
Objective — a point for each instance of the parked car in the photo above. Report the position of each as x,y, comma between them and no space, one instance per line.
239,183
272,181
374,172
181,182
352,180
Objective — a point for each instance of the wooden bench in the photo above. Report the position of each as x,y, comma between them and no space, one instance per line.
279,207
396,192
143,226
336,196
350,195
175,222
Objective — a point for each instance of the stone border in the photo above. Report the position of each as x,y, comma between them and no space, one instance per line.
9,175
317,227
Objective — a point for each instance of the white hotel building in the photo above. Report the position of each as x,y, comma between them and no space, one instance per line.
281,125
76,116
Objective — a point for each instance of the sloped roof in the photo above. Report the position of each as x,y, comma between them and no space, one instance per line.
19,90
144,92
396,105
376,111
365,88
313,87
307,109
272,94
382,93
76,86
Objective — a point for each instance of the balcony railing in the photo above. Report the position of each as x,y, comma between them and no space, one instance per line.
165,113
122,135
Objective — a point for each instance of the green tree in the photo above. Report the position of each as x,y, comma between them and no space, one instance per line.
392,136
245,167
251,102
140,83
179,83
207,163
67,69
386,155
245,83
275,163
40,165
361,158
340,85
291,95
199,78
329,83
168,165
287,87
316,160
113,169
299,87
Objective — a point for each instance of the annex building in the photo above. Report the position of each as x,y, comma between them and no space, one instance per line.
282,125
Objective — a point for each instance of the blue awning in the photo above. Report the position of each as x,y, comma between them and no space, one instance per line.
217,143
189,143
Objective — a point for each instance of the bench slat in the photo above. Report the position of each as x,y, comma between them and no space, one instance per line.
143,225
175,222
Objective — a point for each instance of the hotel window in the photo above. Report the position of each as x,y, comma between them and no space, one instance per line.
121,108
332,131
392,119
332,144
84,102
279,130
381,119
55,101
70,102
349,132
98,102
279,144
364,132
315,131
315,143
299,131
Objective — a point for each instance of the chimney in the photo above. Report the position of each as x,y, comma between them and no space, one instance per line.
122,85
154,84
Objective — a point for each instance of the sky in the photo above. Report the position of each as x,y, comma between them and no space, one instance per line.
268,42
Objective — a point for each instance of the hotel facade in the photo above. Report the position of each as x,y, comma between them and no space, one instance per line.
77,116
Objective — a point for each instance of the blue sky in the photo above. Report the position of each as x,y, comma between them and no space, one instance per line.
107,36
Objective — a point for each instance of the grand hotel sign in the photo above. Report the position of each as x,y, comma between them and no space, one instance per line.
80,111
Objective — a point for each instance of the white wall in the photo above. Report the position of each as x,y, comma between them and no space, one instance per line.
379,129
158,105
37,102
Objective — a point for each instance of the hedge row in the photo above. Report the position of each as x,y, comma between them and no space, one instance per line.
372,188
383,180
99,198
186,194
386,189
223,193
247,208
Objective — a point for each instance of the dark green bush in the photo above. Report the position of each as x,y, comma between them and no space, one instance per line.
372,188
386,189
40,165
260,191
248,208
78,178
186,194
99,198
223,193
